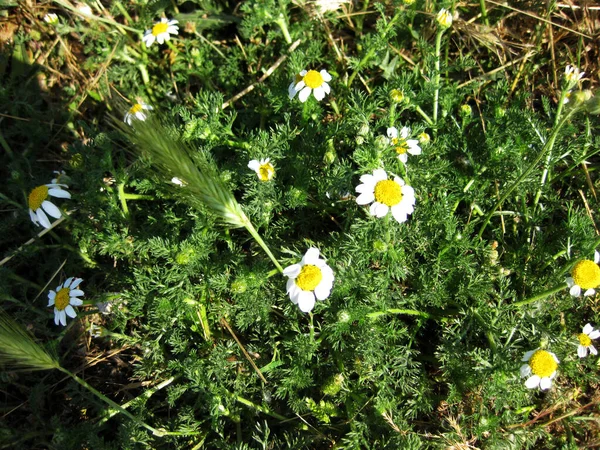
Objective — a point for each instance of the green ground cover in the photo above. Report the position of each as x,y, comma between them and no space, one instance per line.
292,224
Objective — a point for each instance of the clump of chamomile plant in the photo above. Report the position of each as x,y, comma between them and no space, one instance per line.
300,225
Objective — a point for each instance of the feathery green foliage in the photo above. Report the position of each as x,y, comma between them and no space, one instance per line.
186,326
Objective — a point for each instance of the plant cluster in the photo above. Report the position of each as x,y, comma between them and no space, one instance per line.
298,225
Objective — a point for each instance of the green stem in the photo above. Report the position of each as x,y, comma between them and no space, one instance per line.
262,243
114,405
5,146
424,115
260,408
311,328
8,200
542,295
548,147
485,326
127,196
436,79
363,61
406,312
484,15
335,107
284,29
145,396
121,192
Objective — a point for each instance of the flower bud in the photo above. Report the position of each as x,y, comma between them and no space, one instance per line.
444,18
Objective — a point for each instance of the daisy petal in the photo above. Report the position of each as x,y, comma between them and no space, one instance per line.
528,355
545,383
575,291
594,334
70,311
379,175
581,351
532,382
306,301
59,193
381,210
292,271
304,93
366,198
311,256
43,218
325,75
593,350
319,93
525,370
588,328
322,291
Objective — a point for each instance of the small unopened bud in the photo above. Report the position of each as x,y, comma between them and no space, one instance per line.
398,96
424,138
466,111
343,316
382,142
364,129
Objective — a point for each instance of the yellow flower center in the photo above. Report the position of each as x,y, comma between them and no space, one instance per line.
37,197
136,108
160,28
62,298
313,79
584,339
309,278
388,192
586,274
401,146
266,172
542,363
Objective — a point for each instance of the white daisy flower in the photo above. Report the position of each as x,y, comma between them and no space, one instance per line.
444,18
263,168
64,298
540,369
573,75
51,18
39,204
311,278
403,145
160,32
585,275
585,341
310,81
386,194
137,112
